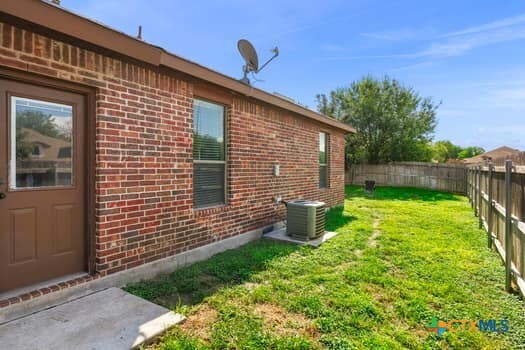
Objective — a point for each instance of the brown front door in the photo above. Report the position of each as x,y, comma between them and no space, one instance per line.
42,171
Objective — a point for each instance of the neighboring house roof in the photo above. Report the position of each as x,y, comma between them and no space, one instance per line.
51,149
498,153
77,27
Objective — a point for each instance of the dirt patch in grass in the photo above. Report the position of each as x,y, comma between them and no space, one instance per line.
396,272
283,323
199,324
372,240
378,293
251,285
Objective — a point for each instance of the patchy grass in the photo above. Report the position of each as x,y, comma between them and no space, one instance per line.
402,257
200,323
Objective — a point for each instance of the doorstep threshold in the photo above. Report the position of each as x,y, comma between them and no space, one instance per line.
52,282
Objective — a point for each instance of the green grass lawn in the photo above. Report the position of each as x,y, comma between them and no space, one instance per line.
402,257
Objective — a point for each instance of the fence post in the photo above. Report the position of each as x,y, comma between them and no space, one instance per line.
467,172
508,227
480,199
471,170
478,204
468,182
476,189
475,192
489,208
471,185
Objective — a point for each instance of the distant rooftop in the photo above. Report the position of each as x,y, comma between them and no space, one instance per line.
498,153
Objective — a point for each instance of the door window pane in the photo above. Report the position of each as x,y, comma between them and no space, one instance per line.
41,144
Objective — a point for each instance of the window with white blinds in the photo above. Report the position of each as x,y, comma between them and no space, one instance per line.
323,160
209,161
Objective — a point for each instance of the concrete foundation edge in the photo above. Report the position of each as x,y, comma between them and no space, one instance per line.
139,273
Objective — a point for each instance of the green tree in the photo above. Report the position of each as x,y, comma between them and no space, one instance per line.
470,152
38,121
445,150
393,122
23,149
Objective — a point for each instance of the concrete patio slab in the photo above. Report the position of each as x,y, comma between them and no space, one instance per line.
108,319
280,235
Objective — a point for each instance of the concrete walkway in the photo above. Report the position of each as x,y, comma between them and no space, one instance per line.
108,319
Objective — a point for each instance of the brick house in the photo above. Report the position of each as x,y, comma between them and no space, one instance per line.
167,162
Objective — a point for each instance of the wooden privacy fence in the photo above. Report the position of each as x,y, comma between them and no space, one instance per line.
497,195
444,177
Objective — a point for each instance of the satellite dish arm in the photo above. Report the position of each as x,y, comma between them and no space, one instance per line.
275,54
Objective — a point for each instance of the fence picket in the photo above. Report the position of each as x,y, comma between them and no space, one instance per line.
508,223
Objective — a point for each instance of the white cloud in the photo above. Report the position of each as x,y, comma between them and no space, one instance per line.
363,57
463,41
459,45
395,35
502,23
455,43
414,66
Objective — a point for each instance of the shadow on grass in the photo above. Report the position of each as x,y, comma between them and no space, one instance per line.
400,193
191,284
337,218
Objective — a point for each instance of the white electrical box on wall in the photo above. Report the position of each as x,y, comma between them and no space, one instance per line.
276,169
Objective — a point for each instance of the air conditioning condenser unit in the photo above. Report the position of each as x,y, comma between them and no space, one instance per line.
305,219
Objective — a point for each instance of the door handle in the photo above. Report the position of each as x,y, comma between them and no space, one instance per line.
2,195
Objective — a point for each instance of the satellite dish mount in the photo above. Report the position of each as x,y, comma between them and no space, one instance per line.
252,60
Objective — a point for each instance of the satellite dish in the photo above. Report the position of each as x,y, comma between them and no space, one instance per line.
252,60
249,54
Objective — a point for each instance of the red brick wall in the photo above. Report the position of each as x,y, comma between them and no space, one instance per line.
144,164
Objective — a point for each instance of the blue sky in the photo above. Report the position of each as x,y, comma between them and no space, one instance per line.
470,55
